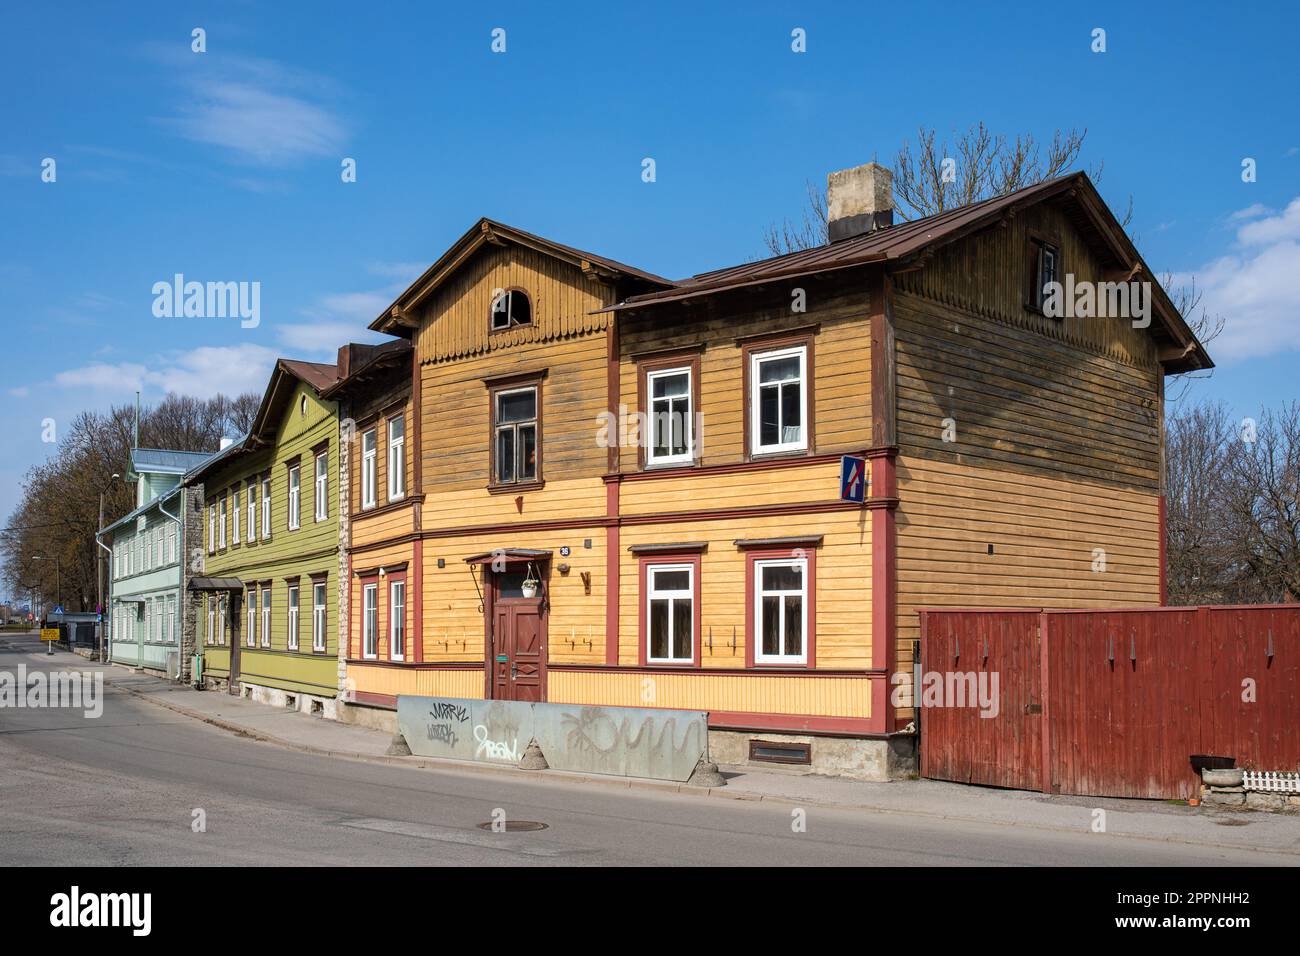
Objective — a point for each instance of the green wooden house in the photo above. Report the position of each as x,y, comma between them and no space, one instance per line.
266,599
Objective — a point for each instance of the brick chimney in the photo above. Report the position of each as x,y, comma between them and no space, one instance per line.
859,200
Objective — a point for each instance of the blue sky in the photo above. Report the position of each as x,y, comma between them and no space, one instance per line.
225,165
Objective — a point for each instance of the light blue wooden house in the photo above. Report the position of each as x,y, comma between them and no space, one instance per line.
146,617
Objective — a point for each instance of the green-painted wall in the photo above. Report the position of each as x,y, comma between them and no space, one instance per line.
311,549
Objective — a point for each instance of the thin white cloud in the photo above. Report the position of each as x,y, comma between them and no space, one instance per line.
1253,211
1256,287
341,317
259,111
201,372
318,339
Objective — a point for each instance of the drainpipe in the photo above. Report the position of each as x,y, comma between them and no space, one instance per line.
180,577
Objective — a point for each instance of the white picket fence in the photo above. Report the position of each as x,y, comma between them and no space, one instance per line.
1271,781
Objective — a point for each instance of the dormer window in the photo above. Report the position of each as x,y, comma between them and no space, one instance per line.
510,308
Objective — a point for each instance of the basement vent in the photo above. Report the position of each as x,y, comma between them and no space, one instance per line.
770,751
318,708
290,701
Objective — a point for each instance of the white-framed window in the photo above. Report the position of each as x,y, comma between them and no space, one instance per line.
234,517
318,632
266,617
510,307
250,639
212,528
397,620
370,620
322,486
173,534
252,510
117,560
211,636
171,620
515,433
368,463
147,551
160,547
291,599
670,613
221,620
670,437
221,528
295,497
778,411
396,458
781,611
266,508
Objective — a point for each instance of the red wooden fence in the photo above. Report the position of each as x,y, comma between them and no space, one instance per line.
1109,702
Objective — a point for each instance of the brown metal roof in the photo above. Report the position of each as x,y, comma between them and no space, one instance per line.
892,243
489,230
378,358
318,375
906,240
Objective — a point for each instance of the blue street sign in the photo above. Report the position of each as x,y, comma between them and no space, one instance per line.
59,609
853,479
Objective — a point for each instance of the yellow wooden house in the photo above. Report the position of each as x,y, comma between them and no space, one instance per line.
624,490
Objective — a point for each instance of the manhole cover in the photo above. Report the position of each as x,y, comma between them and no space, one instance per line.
1233,822
511,826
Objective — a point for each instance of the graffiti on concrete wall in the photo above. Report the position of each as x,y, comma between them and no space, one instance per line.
628,741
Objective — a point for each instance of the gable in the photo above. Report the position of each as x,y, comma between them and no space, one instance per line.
454,320
988,273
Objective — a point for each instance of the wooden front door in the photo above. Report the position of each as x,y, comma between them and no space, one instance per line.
517,662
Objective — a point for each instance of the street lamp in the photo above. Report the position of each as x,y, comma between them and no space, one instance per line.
99,573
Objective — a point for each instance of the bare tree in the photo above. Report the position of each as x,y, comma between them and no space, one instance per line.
931,177
1260,501
1196,443
49,540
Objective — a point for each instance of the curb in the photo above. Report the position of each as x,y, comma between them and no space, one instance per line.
632,783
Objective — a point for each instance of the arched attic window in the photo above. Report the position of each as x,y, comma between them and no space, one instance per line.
511,307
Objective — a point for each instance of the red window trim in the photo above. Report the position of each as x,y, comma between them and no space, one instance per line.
391,578
363,579
772,342
643,627
751,586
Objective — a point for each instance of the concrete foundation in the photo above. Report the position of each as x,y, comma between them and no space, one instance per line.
877,759
874,759
312,704
375,718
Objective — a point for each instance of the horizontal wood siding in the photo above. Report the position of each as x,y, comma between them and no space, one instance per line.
841,363
1019,401
1044,532
685,490
843,597
310,549
457,425
425,682
756,694
390,557
453,618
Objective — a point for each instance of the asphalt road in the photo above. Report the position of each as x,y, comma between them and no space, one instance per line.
122,790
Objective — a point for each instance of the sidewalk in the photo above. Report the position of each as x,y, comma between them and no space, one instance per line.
1269,833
